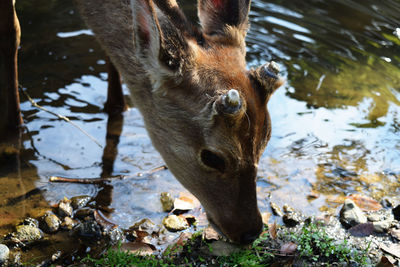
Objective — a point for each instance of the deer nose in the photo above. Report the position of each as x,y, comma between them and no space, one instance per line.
250,236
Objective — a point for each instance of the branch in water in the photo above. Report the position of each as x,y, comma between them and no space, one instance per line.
61,117
58,179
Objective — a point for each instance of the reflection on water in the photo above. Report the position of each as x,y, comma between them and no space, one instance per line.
335,124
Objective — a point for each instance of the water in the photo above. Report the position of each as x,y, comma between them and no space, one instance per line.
335,122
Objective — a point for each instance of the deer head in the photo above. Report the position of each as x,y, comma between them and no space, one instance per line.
207,115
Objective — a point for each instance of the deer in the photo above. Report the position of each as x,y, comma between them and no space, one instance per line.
204,110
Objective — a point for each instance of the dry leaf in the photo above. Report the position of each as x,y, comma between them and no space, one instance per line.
137,248
265,217
183,238
288,248
210,234
385,262
183,204
362,229
272,229
365,203
393,249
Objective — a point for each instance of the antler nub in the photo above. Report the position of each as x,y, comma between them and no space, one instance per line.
232,98
267,76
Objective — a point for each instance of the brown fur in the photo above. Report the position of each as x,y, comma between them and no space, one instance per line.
179,75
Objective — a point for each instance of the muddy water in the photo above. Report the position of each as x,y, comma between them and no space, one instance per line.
335,123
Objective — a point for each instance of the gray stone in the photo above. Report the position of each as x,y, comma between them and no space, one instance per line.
65,208
4,253
275,209
382,226
375,217
68,223
351,215
80,201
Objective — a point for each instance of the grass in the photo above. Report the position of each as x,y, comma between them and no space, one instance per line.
313,246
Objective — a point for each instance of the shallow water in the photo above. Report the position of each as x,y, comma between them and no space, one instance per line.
335,122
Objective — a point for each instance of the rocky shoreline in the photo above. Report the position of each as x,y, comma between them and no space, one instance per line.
363,225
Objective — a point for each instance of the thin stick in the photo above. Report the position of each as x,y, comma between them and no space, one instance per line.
58,179
61,117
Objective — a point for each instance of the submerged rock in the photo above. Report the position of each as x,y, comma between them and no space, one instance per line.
84,212
31,222
4,253
68,223
65,208
351,215
27,233
167,201
175,223
80,201
50,223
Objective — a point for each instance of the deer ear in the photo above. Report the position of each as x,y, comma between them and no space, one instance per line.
157,51
216,15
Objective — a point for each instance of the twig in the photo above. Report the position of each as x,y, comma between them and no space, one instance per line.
61,117
58,179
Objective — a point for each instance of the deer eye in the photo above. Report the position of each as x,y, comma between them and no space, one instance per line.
212,160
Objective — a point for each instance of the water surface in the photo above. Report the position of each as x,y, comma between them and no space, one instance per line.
335,122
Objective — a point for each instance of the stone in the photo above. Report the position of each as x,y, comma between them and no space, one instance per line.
351,215
68,223
167,201
291,219
374,217
175,223
80,201
4,253
84,212
396,212
51,223
275,209
382,226
65,208
27,233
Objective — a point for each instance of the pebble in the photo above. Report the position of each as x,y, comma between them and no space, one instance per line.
80,201
4,253
167,201
375,217
27,233
65,208
84,212
275,209
175,223
382,226
51,223
351,215
68,223
396,212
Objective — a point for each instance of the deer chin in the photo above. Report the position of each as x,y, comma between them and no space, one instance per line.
232,237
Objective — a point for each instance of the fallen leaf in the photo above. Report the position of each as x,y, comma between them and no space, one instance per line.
183,238
288,248
395,233
265,217
137,248
362,229
385,262
210,234
393,249
183,204
365,203
272,229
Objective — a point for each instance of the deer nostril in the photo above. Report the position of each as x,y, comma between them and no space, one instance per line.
249,237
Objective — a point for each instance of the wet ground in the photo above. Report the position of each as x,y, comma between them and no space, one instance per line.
336,122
